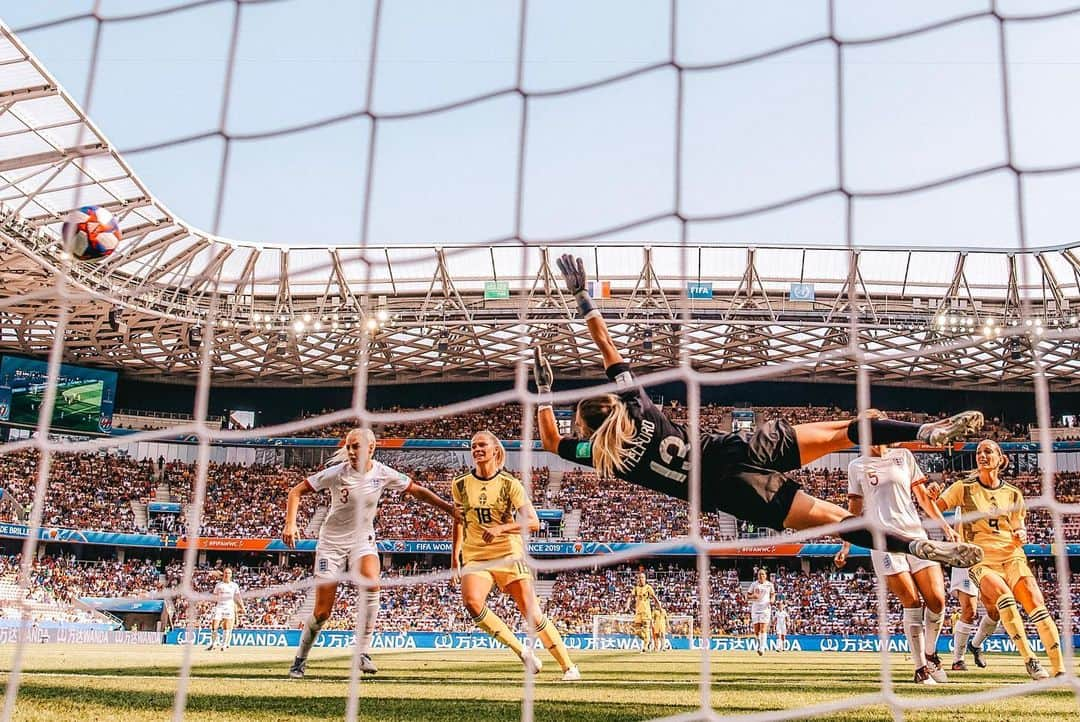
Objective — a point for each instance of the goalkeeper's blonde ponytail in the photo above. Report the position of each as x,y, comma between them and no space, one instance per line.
607,421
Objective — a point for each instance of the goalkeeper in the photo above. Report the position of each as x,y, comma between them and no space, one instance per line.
624,435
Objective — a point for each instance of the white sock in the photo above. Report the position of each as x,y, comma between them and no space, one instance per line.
913,629
932,622
228,637
371,611
986,628
308,636
961,634
762,640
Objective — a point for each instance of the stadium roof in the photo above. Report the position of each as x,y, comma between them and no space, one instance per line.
302,315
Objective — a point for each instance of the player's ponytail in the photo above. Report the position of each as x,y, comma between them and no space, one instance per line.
611,428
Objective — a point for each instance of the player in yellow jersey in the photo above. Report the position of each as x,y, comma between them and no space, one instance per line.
1003,576
659,629
641,598
488,551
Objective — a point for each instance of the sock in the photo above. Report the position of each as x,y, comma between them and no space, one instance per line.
961,634
307,638
913,630
552,640
1014,625
885,431
932,622
893,542
763,640
371,611
1048,633
987,626
228,637
496,627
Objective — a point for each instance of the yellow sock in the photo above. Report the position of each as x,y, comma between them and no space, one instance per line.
490,622
1048,633
551,638
1014,625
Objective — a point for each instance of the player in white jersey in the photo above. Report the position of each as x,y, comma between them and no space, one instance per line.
880,485
967,594
227,602
761,594
781,618
347,537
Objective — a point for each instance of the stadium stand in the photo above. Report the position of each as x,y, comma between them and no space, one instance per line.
97,491
820,601
505,421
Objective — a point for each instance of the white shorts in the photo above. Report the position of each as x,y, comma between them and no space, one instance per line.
887,563
760,616
224,611
331,562
781,630
959,581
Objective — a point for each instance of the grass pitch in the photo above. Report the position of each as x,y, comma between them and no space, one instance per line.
121,684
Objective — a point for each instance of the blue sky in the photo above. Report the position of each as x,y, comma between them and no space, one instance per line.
916,109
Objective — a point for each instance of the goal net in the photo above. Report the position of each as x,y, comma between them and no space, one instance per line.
617,631
911,129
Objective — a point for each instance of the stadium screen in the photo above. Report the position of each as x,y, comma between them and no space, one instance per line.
241,419
84,396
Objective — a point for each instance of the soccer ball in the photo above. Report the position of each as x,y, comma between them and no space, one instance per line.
91,233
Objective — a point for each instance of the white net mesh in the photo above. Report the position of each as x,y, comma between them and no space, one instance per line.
853,196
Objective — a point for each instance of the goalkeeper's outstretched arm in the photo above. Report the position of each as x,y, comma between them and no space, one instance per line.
545,415
573,270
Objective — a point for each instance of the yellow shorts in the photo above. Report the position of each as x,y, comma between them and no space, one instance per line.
1012,570
659,629
643,618
502,574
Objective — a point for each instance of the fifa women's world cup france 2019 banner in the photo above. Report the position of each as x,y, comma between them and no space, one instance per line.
341,639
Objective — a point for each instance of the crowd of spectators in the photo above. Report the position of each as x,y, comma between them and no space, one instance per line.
505,421
615,510
95,492
85,491
822,601
48,597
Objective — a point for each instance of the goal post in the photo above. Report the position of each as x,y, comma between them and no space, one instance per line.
607,625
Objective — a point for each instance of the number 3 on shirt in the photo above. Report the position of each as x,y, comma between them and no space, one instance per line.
344,496
483,515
